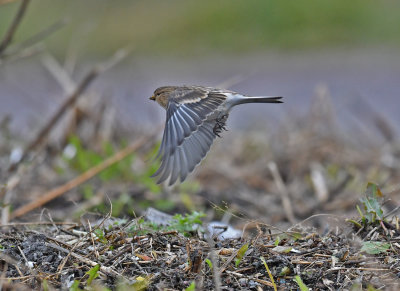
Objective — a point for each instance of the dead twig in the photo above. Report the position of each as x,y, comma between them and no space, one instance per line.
11,261
120,253
64,261
52,194
287,206
319,183
266,283
25,259
106,270
228,261
359,269
35,39
214,260
23,53
60,75
16,224
92,239
8,37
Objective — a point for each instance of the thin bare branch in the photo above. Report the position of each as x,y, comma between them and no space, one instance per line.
37,37
8,37
287,206
214,259
24,53
24,224
58,72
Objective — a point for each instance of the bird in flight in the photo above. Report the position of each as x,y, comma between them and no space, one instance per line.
196,115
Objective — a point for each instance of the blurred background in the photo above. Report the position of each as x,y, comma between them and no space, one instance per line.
268,47
336,62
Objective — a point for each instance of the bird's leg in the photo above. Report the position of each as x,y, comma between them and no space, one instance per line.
220,124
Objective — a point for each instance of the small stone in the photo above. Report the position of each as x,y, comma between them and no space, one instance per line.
30,265
243,282
252,284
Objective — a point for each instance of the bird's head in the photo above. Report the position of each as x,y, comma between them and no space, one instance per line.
161,95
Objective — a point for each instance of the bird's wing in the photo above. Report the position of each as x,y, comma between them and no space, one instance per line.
186,156
188,135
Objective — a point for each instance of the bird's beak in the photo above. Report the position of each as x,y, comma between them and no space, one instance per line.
152,98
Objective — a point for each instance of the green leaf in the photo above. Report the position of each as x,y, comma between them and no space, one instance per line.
188,223
100,235
191,287
375,247
303,287
296,235
356,287
269,273
361,213
282,249
75,286
354,222
241,254
285,271
141,283
93,273
209,263
45,285
280,238
372,203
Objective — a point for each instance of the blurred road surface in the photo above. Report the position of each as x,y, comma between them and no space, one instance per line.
359,83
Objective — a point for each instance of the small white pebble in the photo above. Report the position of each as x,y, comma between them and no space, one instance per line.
216,228
29,264
16,155
69,151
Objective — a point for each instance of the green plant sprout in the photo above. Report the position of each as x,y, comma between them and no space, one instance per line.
242,251
371,210
184,224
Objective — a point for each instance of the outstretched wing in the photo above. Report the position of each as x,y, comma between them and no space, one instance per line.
188,133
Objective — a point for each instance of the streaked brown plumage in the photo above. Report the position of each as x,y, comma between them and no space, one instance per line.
195,116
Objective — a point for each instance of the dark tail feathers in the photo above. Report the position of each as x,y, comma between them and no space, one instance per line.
261,99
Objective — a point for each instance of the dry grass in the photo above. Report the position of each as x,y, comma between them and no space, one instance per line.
60,254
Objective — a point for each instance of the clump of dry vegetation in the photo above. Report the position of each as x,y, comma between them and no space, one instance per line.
139,255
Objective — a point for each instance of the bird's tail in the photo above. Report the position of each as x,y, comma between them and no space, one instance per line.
260,99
